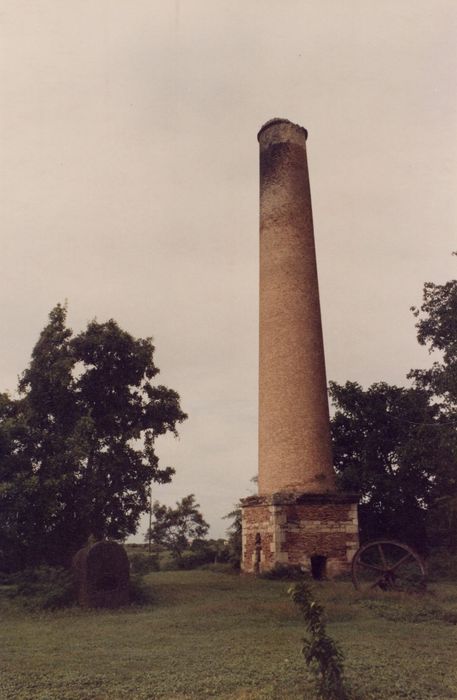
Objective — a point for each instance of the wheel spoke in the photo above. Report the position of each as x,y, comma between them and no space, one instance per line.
370,566
383,559
402,561
387,572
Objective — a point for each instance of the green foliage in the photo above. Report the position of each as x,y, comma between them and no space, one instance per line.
175,528
204,552
386,446
322,655
220,568
397,446
77,447
51,588
201,553
140,593
437,329
143,563
284,572
234,536
214,635
43,588
193,560
442,565
234,532
423,610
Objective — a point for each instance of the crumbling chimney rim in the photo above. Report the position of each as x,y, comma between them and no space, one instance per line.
280,120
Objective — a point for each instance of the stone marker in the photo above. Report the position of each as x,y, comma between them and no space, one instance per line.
298,516
102,574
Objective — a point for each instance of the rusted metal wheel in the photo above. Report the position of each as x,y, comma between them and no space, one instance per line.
389,566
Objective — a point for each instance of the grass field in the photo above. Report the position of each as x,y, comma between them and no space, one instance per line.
216,635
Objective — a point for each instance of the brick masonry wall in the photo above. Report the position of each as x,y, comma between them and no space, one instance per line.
294,429
257,520
292,532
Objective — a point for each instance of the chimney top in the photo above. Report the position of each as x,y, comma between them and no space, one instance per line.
279,120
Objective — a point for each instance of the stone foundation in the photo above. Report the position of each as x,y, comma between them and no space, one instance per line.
316,531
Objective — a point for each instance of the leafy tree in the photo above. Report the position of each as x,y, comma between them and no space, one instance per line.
234,535
205,551
398,446
17,482
77,447
175,528
437,329
387,446
234,530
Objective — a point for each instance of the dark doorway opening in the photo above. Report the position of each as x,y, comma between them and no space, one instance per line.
257,553
318,566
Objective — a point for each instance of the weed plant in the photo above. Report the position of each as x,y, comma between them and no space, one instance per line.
322,654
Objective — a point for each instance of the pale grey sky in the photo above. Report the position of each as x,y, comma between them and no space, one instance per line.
129,186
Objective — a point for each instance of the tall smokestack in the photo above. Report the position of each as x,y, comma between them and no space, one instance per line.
294,431
298,517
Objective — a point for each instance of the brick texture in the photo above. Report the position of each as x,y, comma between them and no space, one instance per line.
294,437
293,529
298,515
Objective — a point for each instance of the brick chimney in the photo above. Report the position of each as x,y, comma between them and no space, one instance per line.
299,517
294,433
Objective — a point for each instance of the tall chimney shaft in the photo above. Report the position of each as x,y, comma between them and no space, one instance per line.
294,432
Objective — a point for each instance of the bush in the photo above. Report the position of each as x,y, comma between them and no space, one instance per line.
143,562
201,553
285,572
168,563
442,565
139,592
193,560
213,551
43,588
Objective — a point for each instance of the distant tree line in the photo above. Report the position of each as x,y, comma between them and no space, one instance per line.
77,453
181,533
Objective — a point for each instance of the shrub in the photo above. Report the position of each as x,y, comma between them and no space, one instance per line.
168,563
323,656
143,562
139,592
44,588
192,560
201,553
441,564
214,551
285,572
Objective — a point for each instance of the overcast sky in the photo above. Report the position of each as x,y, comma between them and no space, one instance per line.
129,187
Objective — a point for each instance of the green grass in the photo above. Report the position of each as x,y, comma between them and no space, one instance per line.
215,635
